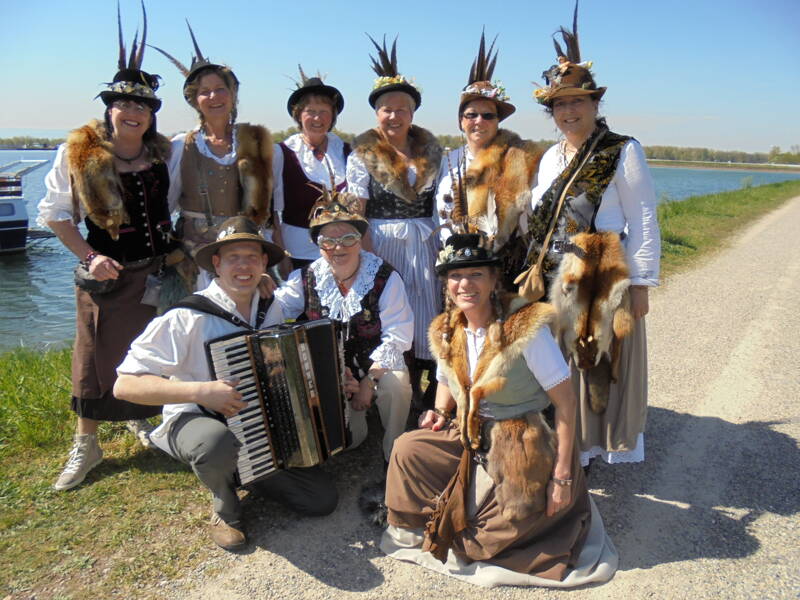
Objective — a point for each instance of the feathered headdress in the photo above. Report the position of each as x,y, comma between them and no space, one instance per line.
314,85
131,82
570,77
481,87
334,206
198,64
389,79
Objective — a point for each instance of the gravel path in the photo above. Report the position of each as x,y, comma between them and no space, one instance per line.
712,513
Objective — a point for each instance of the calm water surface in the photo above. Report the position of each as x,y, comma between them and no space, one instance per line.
37,302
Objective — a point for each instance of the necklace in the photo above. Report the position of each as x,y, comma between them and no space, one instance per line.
341,282
130,161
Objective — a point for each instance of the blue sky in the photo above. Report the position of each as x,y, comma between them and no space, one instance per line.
713,73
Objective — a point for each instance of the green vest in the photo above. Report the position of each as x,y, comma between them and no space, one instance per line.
521,393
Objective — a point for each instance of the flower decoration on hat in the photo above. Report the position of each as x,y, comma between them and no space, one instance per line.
389,79
466,250
480,85
570,76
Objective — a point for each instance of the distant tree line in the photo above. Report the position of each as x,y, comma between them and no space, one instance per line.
774,156
26,142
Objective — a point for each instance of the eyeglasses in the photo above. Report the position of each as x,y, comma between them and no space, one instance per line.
348,240
471,116
131,106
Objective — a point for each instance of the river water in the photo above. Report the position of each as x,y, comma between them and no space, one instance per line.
37,301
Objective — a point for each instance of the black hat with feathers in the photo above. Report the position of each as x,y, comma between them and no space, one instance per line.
314,85
130,82
389,80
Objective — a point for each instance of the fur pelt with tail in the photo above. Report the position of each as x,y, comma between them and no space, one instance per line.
523,450
254,162
94,179
372,502
520,462
592,300
391,171
498,184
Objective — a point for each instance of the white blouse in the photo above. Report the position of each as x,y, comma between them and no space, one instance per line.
628,204
57,202
541,354
397,318
297,239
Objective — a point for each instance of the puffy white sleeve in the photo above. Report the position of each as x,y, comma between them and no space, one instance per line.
57,202
162,347
357,176
638,200
545,175
397,325
277,180
290,296
175,177
544,359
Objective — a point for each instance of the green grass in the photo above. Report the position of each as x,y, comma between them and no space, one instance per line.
139,517
697,226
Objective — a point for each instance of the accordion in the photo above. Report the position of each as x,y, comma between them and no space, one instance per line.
290,376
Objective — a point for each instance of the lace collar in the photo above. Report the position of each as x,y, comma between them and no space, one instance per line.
344,308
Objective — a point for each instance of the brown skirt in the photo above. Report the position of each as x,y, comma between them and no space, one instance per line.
618,428
106,324
423,462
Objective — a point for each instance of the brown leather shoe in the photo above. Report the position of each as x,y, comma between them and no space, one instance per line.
226,535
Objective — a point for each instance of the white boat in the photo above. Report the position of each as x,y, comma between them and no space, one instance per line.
13,213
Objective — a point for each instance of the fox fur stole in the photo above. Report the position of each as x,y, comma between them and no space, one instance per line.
391,171
592,301
254,162
522,453
498,184
94,180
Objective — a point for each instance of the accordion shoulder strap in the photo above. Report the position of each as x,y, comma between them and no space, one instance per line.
204,305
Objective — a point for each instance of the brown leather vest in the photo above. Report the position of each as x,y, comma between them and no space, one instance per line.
222,182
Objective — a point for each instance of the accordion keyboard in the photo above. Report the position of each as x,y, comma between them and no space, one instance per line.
231,360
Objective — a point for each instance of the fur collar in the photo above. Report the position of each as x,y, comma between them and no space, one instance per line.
254,162
498,184
94,179
523,321
386,166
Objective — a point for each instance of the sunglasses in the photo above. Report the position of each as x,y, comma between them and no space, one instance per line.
471,116
348,240
131,106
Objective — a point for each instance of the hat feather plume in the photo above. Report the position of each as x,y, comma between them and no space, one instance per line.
140,54
570,39
181,67
386,63
199,55
483,66
121,60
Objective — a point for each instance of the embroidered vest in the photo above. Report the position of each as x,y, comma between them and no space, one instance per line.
299,192
221,181
383,204
144,195
363,331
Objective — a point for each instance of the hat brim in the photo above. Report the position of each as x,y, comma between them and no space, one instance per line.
504,109
321,90
396,87
203,256
361,226
462,262
108,97
568,91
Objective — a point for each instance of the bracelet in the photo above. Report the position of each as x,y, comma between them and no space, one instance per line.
563,482
447,416
373,381
90,256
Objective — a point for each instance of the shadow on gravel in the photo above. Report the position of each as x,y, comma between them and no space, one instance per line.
704,482
337,550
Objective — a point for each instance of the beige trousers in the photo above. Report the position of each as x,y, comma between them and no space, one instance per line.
393,399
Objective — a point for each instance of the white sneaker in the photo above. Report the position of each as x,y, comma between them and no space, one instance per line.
142,429
84,456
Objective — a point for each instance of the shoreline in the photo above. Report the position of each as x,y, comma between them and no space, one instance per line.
711,166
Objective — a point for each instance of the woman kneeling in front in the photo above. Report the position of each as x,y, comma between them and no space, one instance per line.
494,496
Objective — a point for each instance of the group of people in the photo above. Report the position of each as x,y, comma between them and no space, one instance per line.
416,253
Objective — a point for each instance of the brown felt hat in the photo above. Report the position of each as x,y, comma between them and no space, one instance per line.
237,229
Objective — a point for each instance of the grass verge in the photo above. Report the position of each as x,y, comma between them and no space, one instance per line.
139,517
703,224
